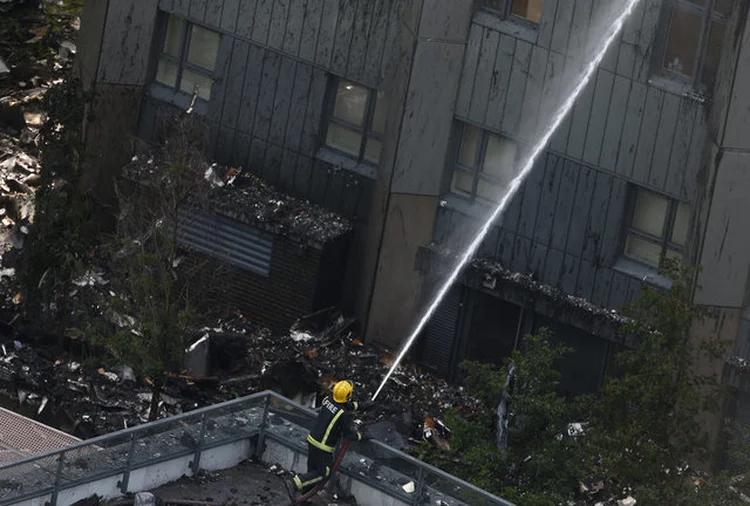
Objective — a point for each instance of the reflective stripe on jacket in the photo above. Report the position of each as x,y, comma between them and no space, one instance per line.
333,421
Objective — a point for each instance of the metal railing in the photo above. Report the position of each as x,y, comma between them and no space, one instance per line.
265,416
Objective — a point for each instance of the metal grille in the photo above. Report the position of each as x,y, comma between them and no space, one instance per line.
21,437
226,239
440,334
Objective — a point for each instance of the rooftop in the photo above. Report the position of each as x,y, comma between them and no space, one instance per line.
21,437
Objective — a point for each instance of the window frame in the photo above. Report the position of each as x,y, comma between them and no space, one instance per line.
182,60
477,171
664,242
506,13
365,131
708,15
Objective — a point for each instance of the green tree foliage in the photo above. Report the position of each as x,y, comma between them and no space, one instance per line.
62,235
155,305
640,431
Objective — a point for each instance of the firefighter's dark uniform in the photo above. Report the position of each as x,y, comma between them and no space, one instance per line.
333,421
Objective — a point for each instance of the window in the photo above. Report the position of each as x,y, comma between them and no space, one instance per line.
356,122
530,10
694,39
485,164
187,59
658,228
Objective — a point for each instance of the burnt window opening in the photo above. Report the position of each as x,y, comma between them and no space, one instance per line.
527,10
658,228
484,165
187,57
694,37
355,124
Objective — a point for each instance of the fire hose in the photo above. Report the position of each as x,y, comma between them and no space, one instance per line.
319,486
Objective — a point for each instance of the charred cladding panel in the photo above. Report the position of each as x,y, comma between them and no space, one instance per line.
632,119
564,226
352,38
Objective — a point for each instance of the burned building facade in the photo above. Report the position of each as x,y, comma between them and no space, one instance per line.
405,117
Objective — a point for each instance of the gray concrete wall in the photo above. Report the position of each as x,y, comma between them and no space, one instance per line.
418,161
725,245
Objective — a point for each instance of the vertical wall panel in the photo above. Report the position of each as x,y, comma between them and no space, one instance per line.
310,30
282,101
298,108
376,41
599,114
647,138
327,33
579,28
212,14
553,266
358,46
294,25
563,214
615,222
646,38
500,79
580,121
484,75
582,206
262,20
197,10
471,60
626,60
343,39
264,111
631,129
695,158
615,119
569,275
314,110
516,87
233,96
277,29
534,87
681,146
547,23
251,88
180,8
561,29
597,218
531,198
245,18
664,141
302,175
229,15
547,206
586,280
602,285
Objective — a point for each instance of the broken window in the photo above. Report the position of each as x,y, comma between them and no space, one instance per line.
187,59
485,164
356,121
694,39
658,228
530,10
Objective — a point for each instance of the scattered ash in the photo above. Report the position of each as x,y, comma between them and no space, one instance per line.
241,195
493,272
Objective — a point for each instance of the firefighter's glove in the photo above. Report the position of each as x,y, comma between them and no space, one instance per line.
366,435
365,406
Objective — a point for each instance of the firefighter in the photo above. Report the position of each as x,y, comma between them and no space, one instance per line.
333,422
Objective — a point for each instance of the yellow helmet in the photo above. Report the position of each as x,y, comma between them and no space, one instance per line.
342,391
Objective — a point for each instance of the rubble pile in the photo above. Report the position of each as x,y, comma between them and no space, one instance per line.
240,195
35,53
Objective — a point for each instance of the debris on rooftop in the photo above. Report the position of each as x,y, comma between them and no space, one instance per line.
240,195
493,272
